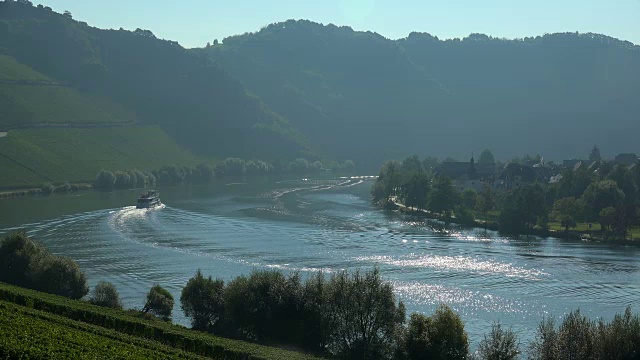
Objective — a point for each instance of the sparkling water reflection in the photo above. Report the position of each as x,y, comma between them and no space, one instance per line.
327,225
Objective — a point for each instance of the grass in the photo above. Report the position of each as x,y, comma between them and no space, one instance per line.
581,227
27,104
10,69
30,104
31,157
39,325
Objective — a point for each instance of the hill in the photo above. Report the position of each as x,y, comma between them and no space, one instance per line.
33,157
375,98
36,325
59,72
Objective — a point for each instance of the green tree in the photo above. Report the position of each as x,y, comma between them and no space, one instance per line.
607,217
444,197
470,199
600,195
486,199
18,254
62,276
106,295
389,179
159,302
440,336
500,344
416,189
266,305
364,315
201,301
522,208
412,165
486,157
567,211
105,180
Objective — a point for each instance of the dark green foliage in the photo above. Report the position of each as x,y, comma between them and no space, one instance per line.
25,263
444,196
18,256
567,211
363,315
500,344
105,180
415,190
165,339
440,336
159,302
106,295
202,301
578,337
600,195
522,209
60,276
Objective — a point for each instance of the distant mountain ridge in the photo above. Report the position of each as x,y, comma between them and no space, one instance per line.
376,98
298,88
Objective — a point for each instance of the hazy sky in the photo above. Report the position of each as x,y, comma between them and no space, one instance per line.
194,22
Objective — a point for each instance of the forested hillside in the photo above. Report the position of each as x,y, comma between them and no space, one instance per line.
374,98
56,71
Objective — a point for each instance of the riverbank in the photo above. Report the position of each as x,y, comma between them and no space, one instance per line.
587,235
46,190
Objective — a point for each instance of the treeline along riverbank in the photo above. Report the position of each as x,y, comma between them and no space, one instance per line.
601,205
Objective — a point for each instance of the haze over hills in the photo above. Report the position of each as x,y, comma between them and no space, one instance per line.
300,88
376,98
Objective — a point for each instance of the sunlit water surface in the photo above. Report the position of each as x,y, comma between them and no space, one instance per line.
327,225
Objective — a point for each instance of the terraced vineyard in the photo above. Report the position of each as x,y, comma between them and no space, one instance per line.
31,157
29,98
41,326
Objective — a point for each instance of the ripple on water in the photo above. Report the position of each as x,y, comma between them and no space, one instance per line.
456,263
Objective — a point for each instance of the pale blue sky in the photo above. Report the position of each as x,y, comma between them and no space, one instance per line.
194,22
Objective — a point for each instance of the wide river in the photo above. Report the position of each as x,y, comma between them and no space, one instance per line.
327,225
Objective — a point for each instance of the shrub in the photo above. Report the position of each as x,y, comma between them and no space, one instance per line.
60,275
48,189
363,315
500,344
201,300
105,180
18,254
440,336
159,302
106,295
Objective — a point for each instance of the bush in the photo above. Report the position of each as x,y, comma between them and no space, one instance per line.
159,302
123,180
105,180
499,345
60,276
201,300
48,189
267,305
106,295
440,336
18,255
363,316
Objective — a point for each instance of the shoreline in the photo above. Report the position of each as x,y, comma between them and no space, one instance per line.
394,205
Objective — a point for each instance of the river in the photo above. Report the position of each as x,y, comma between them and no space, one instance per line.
311,225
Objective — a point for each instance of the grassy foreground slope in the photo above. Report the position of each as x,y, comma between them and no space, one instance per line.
38,325
31,157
